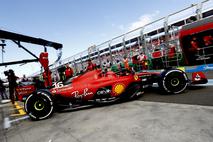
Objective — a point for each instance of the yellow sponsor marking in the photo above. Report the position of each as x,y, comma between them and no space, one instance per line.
181,68
119,88
20,110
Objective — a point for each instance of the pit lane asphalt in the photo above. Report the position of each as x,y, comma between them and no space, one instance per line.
153,117
194,95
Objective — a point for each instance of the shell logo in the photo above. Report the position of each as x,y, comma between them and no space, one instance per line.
136,77
118,89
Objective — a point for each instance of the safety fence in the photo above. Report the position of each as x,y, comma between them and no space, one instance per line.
153,46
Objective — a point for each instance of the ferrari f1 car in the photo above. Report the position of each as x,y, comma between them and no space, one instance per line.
91,88
97,87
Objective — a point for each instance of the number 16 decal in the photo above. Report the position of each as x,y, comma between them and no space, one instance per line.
58,84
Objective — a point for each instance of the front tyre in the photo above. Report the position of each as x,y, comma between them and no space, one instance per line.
39,105
173,81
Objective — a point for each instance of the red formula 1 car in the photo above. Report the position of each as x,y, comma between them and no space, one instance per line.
94,87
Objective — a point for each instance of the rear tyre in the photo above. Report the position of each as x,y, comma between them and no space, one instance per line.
39,105
173,81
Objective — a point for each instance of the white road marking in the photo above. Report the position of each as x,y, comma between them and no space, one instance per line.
7,121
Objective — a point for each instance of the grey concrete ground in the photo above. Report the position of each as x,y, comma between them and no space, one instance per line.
4,112
134,121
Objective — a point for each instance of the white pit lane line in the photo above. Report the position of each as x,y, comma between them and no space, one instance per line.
8,122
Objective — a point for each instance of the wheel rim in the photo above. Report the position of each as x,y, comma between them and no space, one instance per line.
39,105
175,82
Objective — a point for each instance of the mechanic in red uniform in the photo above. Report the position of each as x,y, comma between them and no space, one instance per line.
208,40
126,63
47,78
193,51
91,66
68,71
142,58
194,45
208,49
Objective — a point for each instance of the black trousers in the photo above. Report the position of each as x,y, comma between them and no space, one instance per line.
12,95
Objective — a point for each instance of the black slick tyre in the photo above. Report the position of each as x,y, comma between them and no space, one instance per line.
39,105
173,81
